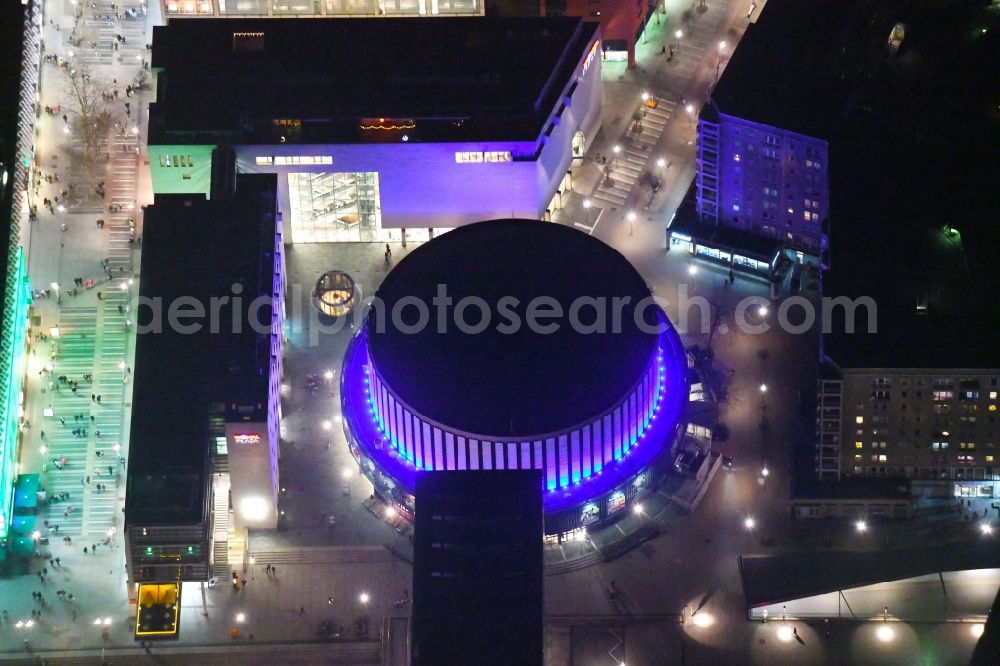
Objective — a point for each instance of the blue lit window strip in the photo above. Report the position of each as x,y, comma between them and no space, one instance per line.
552,484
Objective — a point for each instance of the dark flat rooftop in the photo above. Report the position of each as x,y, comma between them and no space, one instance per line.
521,383
187,383
478,569
794,69
458,78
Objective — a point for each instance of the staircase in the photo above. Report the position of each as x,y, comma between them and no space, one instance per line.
220,526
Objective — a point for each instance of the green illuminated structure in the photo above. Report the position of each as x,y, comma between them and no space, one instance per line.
12,369
181,169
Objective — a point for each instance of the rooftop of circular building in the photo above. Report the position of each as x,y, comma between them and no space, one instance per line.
594,332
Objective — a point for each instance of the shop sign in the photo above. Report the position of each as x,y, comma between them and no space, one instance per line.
590,56
246,438
616,502
589,513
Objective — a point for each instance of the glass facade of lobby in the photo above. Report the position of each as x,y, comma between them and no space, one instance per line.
332,8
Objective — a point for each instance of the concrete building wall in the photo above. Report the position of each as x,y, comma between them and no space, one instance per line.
928,425
254,472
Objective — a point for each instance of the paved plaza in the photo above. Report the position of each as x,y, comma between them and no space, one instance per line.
679,598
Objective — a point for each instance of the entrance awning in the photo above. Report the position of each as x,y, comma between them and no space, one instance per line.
23,525
26,491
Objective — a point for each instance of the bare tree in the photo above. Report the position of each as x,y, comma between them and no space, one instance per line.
92,115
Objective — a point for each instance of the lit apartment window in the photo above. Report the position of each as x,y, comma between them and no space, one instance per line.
989,458
883,458
859,419
736,157
736,208
857,457
858,445
993,395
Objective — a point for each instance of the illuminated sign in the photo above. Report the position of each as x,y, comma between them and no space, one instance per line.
616,502
590,56
589,513
246,438
475,157
287,122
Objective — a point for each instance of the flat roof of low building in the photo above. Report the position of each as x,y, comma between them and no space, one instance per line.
188,384
450,79
793,69
478,568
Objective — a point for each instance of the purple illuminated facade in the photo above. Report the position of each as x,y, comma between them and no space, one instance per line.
591,470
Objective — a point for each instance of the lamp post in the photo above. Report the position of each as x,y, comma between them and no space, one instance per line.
631,223
678,34
690,111
718,61
616,150
253,574
586,207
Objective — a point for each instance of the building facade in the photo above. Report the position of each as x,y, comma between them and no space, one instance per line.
318,8
936,427
205,427
476,133
764,180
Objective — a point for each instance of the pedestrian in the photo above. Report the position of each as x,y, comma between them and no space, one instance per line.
59,561
88,479
85,550
42,433
93,398
302,610
98,399
83,482
243,582
62,420
111,470
329,600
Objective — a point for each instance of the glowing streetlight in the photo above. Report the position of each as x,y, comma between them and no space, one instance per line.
985,529
326,425
885,633
702,620
645,96
637,509
861,526
586,206
762,311
976,630
241,617
363,598
764,471
346,474
616,149
785,633
690,111
763,388
692,269
390,513
631,222
749,523
328,375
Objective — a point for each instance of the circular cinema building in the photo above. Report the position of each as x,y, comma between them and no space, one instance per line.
516,344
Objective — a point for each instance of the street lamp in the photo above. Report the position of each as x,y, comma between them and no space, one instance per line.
692,269
326,425
764,471
363,598
985,529
346,474
637,509
616,150
749,523
861,526
631,223
690,111
328,375
586,206
253,575
241,618
678,34
763,388
718,61
762,311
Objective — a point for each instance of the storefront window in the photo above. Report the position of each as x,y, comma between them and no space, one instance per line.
336,7
400,6
308,7
243,7
458,6
189,7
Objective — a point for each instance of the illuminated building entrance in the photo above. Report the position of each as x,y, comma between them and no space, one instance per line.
335,207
